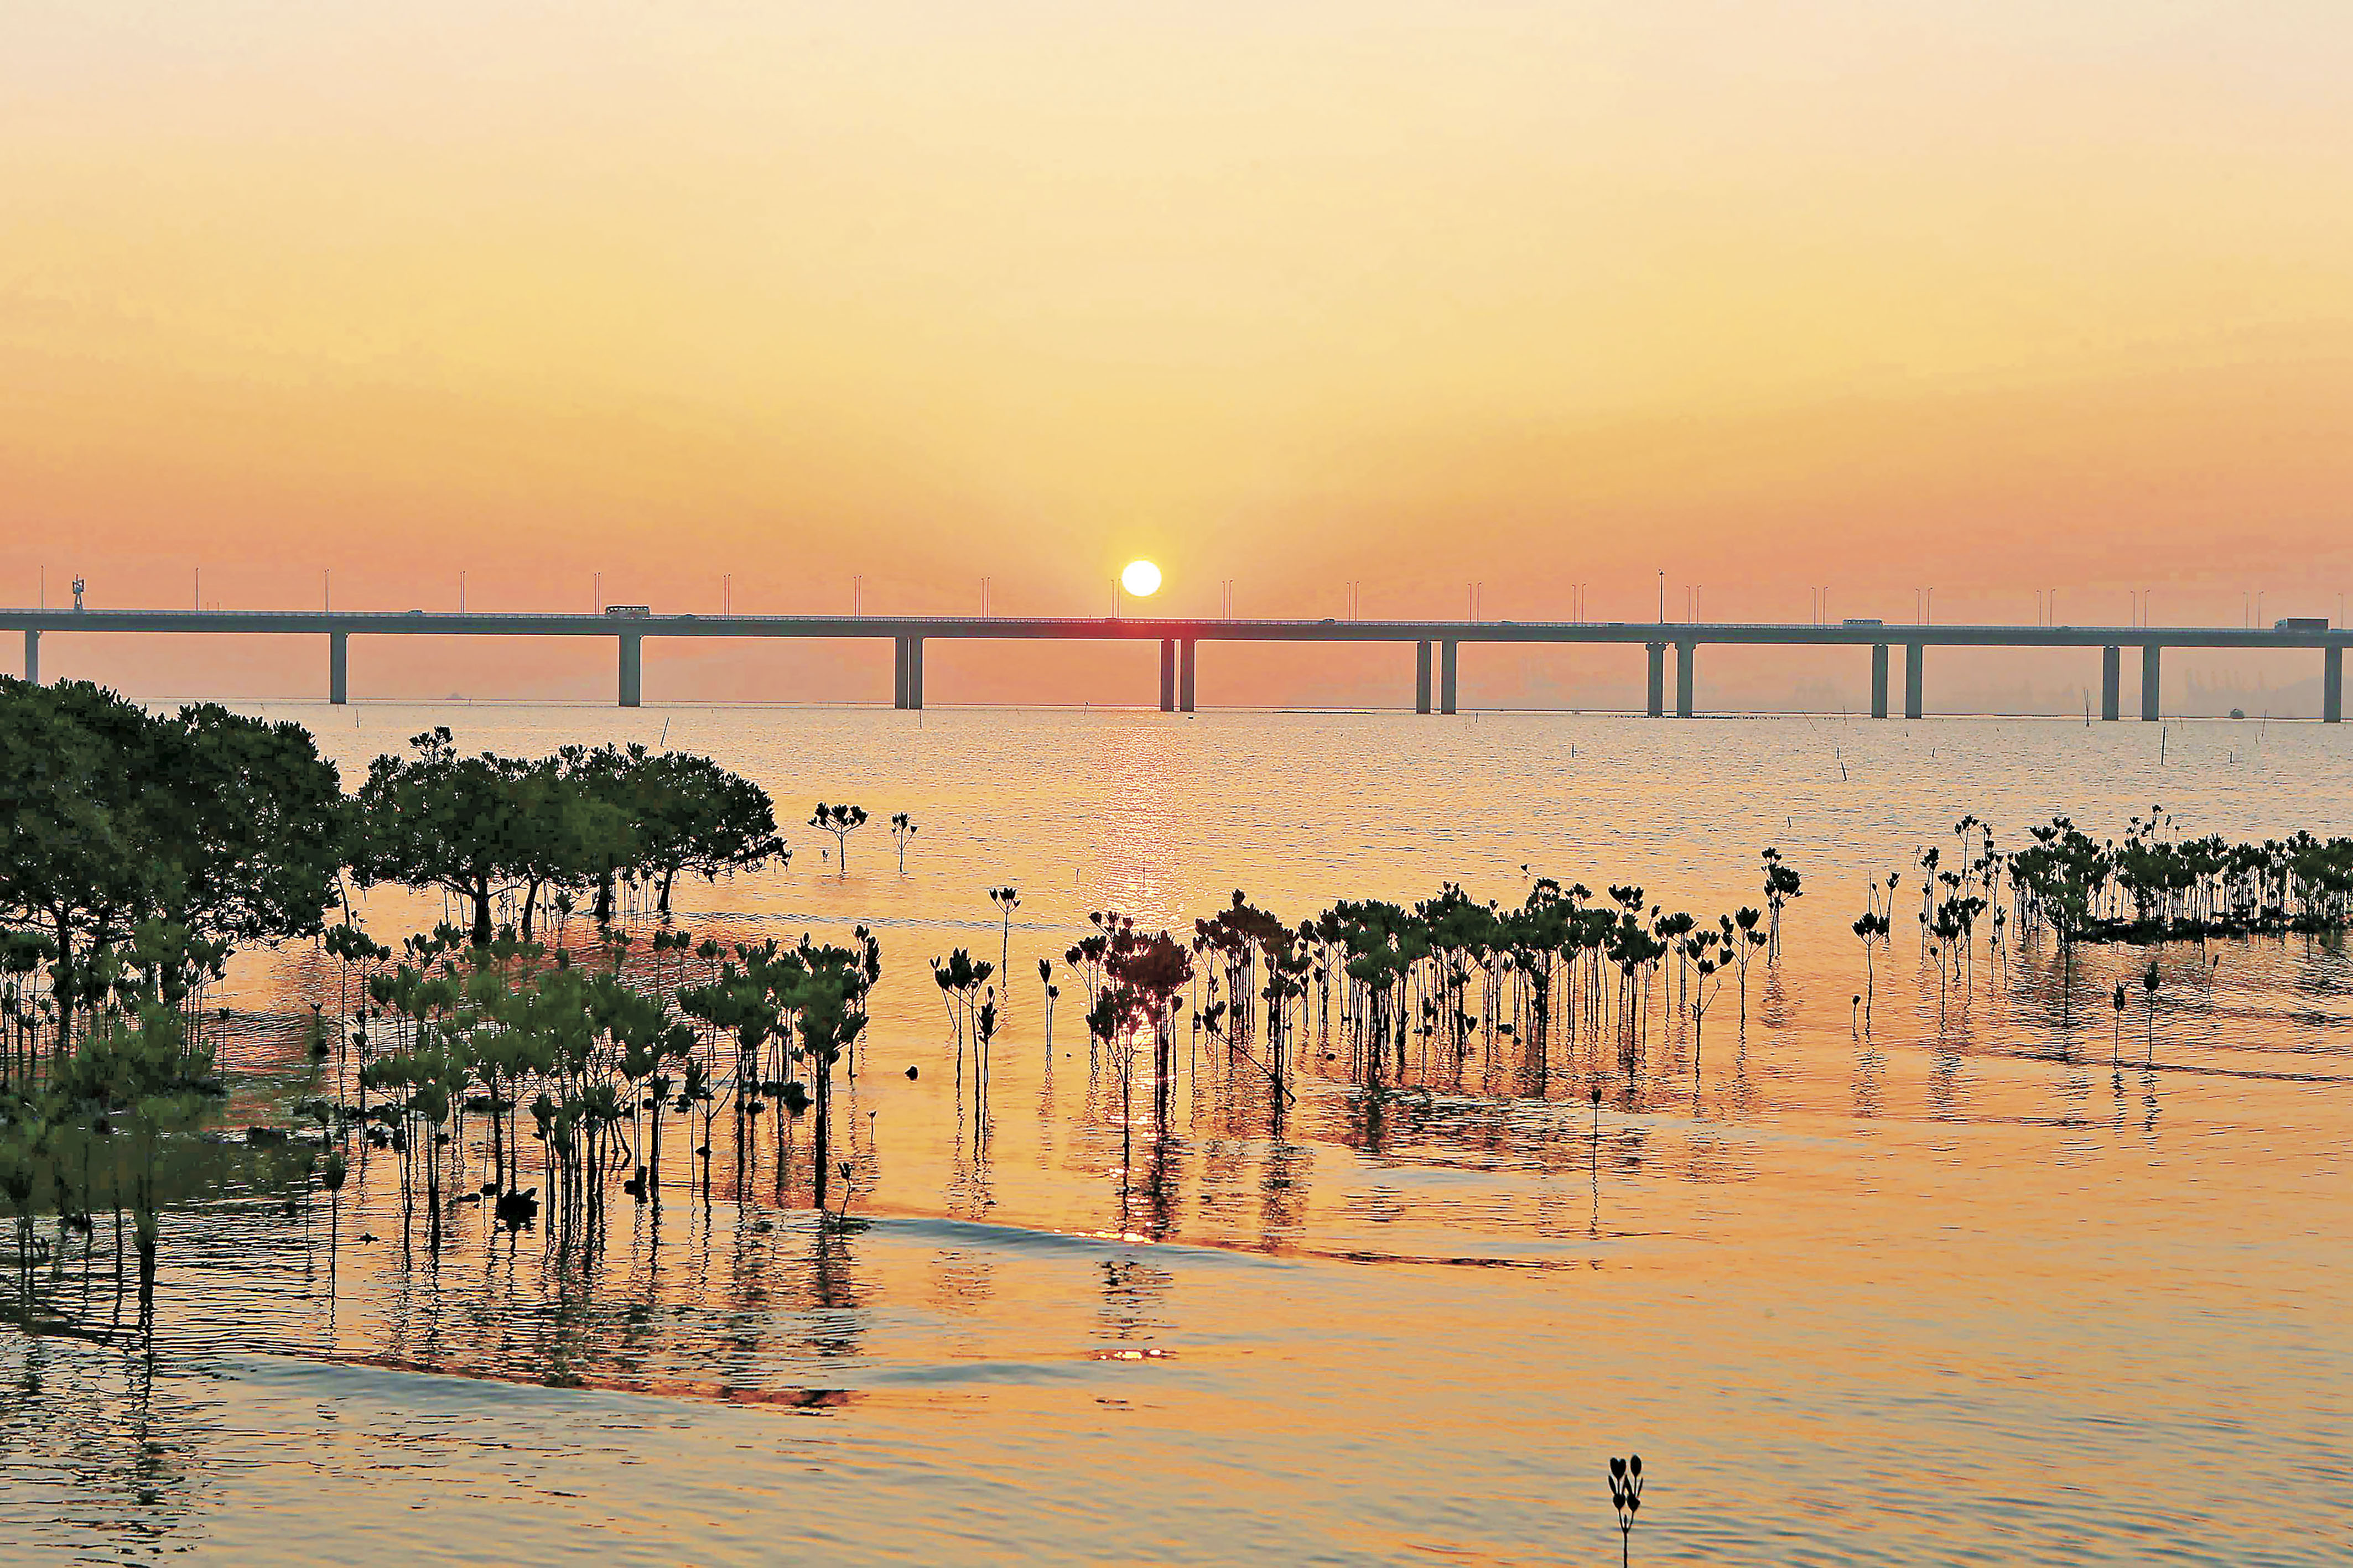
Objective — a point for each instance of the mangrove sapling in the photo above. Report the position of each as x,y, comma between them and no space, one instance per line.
2148,988
1870,928
332,1172
348,945
842,821
23,1150
1007,901
697,1095
1669,931
1927,861
902,830
1700,952
1949,930
948,989
983,1029
1053,993
2116,1037
1148,979
1748,940
1626,1496
960,981
2061,877
831,1006
1782,884
142,1083
1594,1226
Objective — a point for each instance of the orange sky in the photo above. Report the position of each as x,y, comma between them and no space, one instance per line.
1990,296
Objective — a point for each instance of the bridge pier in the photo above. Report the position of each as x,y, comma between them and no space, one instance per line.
1168,675
1185,660
2112,682
1879,681
915,673
1913,655
1658,679
1421,676
2148,682
339,667
33,655
1686,653
2332,684
899,672
1446,675
631,662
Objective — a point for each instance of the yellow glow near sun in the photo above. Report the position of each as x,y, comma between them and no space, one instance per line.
1141,578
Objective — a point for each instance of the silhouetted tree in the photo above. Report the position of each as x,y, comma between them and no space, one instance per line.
697,817
842,821
230,828
443,820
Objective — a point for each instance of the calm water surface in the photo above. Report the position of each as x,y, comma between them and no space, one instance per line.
1956,1292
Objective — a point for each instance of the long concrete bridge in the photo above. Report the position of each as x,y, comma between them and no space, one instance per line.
1438,641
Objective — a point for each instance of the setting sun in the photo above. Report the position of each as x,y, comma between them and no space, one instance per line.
1142,579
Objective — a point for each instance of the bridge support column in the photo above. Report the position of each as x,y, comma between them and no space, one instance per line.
2148,683
1913,653
1879,681
915,673
2112,683
1421,677
1168,675
2332,683
339,667
1685,653
899,672
1446,664
1658,679
33,655
631,661
1184,675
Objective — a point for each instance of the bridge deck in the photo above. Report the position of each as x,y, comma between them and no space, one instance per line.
1144,628
1179,638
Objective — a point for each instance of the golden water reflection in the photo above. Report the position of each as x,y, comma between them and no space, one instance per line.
1856,1295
